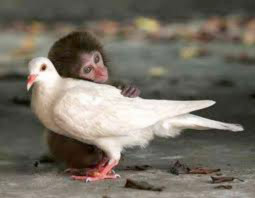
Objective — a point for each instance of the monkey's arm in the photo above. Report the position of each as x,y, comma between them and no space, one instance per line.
130,91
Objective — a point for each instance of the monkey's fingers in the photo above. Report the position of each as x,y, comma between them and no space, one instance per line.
130,91
136,93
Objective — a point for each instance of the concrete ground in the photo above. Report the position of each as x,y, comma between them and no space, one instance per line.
230,84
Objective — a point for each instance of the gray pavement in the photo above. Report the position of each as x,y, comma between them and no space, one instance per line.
21,141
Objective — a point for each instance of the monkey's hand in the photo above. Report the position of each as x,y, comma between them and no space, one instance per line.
130,91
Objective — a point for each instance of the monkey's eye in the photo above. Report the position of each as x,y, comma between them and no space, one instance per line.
87,69
43,67
97,59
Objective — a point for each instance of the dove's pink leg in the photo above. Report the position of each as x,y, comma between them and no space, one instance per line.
104,173
99,167
101,164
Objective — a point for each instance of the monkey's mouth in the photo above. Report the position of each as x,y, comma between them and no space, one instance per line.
102,79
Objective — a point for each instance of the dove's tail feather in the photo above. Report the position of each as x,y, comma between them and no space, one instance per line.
174,126
167,108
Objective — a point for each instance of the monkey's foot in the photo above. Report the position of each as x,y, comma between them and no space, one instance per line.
97,177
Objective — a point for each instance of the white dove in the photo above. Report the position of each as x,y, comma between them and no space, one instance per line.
98,114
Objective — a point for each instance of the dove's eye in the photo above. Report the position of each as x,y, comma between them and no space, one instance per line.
43,67
88,69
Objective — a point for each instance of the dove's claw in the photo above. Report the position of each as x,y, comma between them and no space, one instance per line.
117,176
87,180
112,176
105,172
95,178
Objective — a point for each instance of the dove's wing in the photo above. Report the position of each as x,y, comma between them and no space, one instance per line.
89,113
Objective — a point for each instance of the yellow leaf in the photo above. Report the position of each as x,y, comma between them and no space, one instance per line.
147,24
157,71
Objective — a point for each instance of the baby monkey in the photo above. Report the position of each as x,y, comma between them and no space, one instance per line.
80,55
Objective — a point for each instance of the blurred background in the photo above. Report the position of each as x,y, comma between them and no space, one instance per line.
80,10
185,49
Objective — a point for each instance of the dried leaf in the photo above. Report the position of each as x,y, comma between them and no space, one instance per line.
142,185
192,52
179,168
64,28
157,71
224,179
163,34
242,58
127,31
250,25
203,36
107,27
203,171
36,27
215,25
147,24
27,47
249,37
228,187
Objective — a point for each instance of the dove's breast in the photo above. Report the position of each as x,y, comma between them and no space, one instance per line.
42,104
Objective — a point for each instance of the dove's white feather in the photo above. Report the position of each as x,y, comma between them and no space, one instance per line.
98,114
113,114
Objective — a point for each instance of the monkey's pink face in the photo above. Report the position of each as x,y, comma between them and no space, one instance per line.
93,67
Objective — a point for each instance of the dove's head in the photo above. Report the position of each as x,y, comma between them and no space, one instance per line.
40,69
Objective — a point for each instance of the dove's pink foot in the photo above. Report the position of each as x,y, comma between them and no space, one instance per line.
105,172
96,177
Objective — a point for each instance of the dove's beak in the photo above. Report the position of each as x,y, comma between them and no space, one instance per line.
30,80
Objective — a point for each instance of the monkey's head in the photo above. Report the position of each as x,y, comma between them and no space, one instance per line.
80,55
